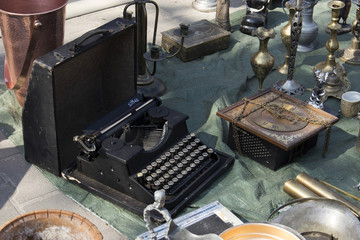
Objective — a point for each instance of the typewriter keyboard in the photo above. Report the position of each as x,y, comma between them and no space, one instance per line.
186,163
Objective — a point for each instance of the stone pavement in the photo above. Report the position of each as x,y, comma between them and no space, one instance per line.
22,186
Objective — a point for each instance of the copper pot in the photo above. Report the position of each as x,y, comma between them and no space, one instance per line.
30,28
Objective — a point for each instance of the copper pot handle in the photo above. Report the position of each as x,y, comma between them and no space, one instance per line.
34,37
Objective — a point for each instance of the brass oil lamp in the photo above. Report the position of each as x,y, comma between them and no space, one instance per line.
337,82
351,55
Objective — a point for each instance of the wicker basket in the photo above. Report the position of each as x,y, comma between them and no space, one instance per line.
49,224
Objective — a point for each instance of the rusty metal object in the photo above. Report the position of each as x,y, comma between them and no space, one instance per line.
203,38
29,29
222,14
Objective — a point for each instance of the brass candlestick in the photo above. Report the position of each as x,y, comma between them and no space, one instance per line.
290,86
351,55
337,82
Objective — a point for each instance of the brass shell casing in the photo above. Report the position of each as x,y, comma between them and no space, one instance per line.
323,191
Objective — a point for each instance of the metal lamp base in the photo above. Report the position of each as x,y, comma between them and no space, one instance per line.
289,87
204,5
150,86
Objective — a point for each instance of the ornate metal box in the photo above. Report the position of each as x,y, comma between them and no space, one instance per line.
273,128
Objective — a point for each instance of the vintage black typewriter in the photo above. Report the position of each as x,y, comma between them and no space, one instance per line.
83,120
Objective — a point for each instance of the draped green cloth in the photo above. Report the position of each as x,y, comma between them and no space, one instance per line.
206,85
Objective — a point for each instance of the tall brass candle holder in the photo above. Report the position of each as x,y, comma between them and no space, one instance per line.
337,82
290,86
351,55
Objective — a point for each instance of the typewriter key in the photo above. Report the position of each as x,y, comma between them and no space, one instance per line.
154,164
166,187
176,148
171,172
184,162
158,161
149,168
192,154
179,176
168,164
188,158
180,165
156,185
154,175
176,158
172,152
197,141
166,176
158,171
201,158
185,151
140,177
210,151
188,137
171,184
172,162
197,161
184,172
184,140
193,144
189,147
205,154
175,169
161,180
168,155
163,168
188,169
163,158
144,172
175,180
181,144
193,164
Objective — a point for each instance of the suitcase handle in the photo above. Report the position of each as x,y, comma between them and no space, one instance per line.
86,36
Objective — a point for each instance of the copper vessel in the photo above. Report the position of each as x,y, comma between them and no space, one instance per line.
30,28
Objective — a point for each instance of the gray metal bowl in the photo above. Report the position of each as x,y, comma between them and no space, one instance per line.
324,215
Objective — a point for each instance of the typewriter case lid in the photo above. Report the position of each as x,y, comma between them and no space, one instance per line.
72,86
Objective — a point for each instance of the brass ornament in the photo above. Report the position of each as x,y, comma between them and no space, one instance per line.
262,61
337,82
351,55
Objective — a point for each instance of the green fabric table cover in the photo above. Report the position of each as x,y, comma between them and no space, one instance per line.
206,85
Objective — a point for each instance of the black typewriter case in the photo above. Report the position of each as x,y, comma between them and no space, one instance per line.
81,83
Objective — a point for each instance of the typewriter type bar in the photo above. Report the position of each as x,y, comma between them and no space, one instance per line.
142,147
